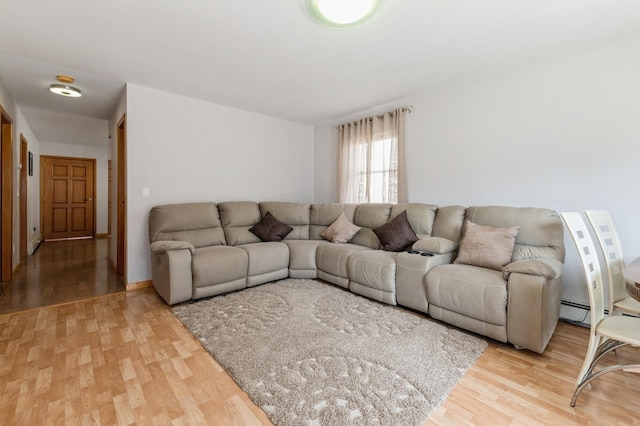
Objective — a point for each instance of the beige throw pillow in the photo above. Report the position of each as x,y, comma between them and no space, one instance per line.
342,230
487,246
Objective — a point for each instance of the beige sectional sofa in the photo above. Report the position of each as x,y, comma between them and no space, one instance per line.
203,249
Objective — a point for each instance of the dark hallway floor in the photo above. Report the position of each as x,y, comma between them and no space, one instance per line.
59,272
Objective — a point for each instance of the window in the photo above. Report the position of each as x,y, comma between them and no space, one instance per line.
372,160
378,174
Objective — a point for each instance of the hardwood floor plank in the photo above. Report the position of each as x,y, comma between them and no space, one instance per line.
124,358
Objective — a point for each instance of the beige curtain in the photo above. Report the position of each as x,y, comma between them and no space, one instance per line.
371,159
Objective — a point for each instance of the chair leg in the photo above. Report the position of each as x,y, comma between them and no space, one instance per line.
598,348
604,348
587,365
597,374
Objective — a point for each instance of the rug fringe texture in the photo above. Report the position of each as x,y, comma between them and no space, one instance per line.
309,353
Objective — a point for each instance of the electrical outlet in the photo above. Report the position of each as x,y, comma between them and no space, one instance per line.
145,192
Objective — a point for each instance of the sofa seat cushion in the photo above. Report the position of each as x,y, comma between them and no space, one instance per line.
218,265
373,268
372,273
267,262
331,260
474,292
302,258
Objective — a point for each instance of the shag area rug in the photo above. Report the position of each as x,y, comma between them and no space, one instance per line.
309,353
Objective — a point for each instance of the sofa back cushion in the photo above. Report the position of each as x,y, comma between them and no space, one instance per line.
448,222
420,216
196,223
541,231
236,218
324,214
369,216
296,215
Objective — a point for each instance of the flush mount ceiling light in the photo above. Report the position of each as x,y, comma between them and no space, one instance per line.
65,89
343,13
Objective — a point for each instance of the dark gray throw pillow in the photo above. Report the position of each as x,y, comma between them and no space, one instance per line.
270,228
396,234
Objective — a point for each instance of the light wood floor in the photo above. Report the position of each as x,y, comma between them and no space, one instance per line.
125,359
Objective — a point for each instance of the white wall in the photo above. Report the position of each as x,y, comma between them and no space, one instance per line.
186,150
20,126
563,135
101,155
34,233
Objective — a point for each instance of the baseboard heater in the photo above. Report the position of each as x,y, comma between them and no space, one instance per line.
574,313
575,305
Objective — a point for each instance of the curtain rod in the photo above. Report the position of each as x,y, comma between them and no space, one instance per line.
408,108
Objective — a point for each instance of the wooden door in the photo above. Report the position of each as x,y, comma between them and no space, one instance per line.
68,204
6,200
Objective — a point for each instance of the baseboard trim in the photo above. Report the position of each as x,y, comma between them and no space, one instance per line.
33,245
102,235
139,285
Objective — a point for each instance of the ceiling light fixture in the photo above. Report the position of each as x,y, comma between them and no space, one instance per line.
65,89
343,13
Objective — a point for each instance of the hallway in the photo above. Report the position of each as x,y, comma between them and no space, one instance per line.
59,272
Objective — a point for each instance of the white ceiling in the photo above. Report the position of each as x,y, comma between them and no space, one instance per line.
269,57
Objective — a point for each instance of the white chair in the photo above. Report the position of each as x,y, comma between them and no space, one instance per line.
606,334
619,301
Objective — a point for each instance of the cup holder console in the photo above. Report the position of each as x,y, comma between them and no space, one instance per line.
421,253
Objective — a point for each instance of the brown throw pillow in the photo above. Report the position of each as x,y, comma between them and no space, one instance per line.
487,246
342,230
270,228
396,234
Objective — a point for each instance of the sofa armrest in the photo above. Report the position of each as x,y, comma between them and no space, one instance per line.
544,267
435,245
171,270
533,289
159,247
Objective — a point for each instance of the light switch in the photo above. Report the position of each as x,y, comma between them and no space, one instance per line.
145,192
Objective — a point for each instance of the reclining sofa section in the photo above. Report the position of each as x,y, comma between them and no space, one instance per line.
204,249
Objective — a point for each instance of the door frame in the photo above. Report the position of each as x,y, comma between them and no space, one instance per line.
24,149
6,199
121,221
43,158
109,195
